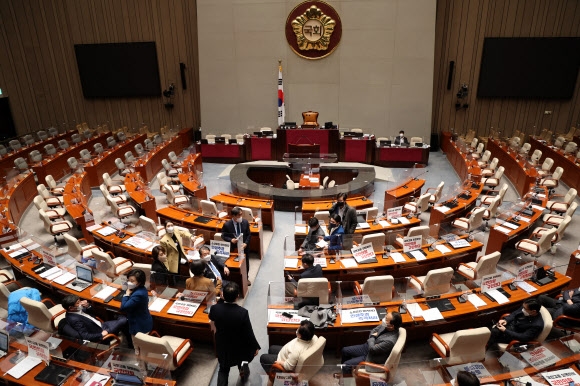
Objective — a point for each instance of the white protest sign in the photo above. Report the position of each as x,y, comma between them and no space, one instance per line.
526,271
194,296
563,377
475,368
38,349
357,299
286,379
359,315
48,257
540,357
394,212
219,248
363,252
284,316
183,308
126,368
490,282
412,243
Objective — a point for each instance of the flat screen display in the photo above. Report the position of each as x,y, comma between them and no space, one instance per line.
116,70
529,67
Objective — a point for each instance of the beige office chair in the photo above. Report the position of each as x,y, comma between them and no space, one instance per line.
290,185
5,292
388,370
51,201
120,199
240,139
490,169
163,181
552,182
51,183
248,215
115,266
546,167
111,186
331,184
548,322
122,169
482,162
561,229
35,156
76,250
487,199
377,288
525,149
435,193
474,141
167,352
42,317
422,231
323,215
53,213
175,199
470,224
55,228
559,142
377,239
227,137
484,265
173,159
462,346
209,208
210,138
415,140
314,288
491,211
324,183
419,206
570,148
537,248
6,277
554,219
148,225
436,282
170,171
122,211
536,155
562,206
310,361
492,182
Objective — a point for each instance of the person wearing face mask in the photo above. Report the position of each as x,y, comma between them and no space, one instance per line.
233,229
401,139
524,325
172,241
335,234
314,232
215,270
287,356
378,346
135,304
79,317
346,212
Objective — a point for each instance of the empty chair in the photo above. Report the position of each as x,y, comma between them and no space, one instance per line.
209,208
490,169
470,224
388,370
139,150
35,156
323,216
537,248
419,206
3,150
462,346
313,288
331,184
76,250
437,281
491,211
122,168
552,182
63,144
525,149
515,142
148,225
87,134
562,206
149,145
484,159
111,187
240,139
42,317
210,138
175,199
42,135
28,139
167,352
435,193
477,153
15,144
570,135
55,228
98,149
491,194
162,179
248,215
85,156
45,194
73,164
482,266
422,231
473,143
570,148
52,131
170,171
290,185
559,142
115,266
157,139
111,142
51,184
554,219
546,167
372,213
122,211
539,231
415,140
53,213
227,137
76,138
324,183
494,181
536,155
118,198
50,150
173,159
121,136
129,157
377,239
308,363
377,288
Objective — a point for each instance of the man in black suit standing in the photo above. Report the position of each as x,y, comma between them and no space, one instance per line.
236,343
231,231
348,215
86,326
401,140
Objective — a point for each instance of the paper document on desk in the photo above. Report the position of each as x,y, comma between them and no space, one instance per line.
158,304
418,255
432,314
300,229
526,219
537,207
442,249
349,263
290,263
498,296
98,379
509,225
19,252
502,229
94,227
476,300
106,231
404,220
414,309
526,286
65,278
50,272
105,292
363,225
384,223
24,366
443,208
397,257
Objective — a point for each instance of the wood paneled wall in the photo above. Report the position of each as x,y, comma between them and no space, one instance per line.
38,69
461,28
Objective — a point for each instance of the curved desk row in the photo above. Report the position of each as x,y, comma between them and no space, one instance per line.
462,203
568,162
14,201
517,170
266,207
403,193
141,195
77,193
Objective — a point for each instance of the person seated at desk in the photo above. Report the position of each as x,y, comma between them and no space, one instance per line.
199,282
524,325
215,270
377,348
465,378
172,241
85,325
401,140
314,233
569,305
287,356
335,234
311,271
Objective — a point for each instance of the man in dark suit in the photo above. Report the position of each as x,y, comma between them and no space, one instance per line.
401,140
568,305
348,216
523,325
88,327
311,271
214,268
231,231
236,343
314,232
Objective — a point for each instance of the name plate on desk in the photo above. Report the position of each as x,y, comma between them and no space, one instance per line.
359,315
284,316
562,377
412,243
541,357
394,212
183,308
491,282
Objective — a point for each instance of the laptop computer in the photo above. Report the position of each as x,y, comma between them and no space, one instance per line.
54,374
418,144
84,279
4,343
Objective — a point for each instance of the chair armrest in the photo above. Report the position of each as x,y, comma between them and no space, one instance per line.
176,352
566,318
113,339
467,266
428,189
47,300
88,247
10,282
445,354
417,280
154,333
369,375
356,288
8,278
53,319
83,240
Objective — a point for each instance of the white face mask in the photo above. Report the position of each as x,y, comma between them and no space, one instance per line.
239,220
131,285
401,135
526,313
206,258
169,230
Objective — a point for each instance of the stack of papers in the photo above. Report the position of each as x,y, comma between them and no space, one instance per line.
418,255
290,263
442,249
526,286
502,229
105,292
106,231
138,242
476,300
158,304
404,220
24,366
349,263
300,229
442,209
384,223
51,274
65,278
397,257
498,296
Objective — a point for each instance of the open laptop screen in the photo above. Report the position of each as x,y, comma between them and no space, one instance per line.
3,341
84,273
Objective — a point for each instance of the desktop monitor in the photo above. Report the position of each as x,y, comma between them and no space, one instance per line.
232,141
384,143
204,141
267,133
328,125
418,144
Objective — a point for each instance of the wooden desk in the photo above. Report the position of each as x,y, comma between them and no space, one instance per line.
260,148
517,170
106,163
150,163
326,138
14,201
309,207
223,153
357,149
464,204
306,183
76,196
187,219
569,163
465,314
140,193
401,156
402,193
265,206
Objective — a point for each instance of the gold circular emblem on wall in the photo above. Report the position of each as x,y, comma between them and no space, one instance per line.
313,29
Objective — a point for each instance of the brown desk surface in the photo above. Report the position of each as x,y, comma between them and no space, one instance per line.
150,163
517,169
140,193
402,193
439,216
569,163
77,193
309,207
266,206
